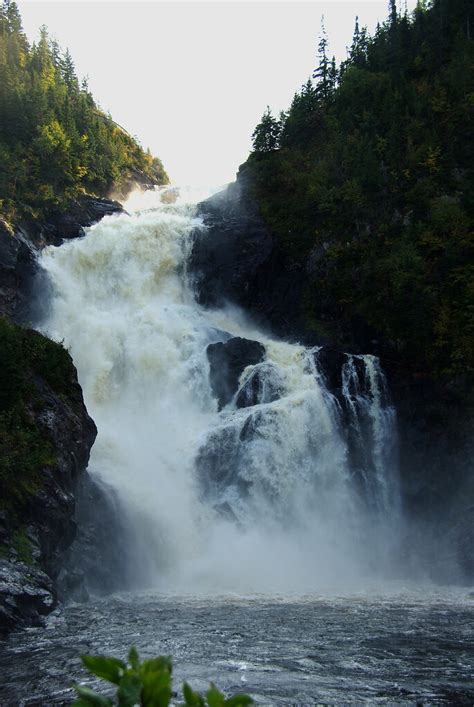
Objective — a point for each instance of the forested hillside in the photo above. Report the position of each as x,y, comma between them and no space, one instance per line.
55,142
367,182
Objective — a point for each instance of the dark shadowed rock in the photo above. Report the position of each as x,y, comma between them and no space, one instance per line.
17,270
37,528
264,385
329,362
71,223
26,594
235,258
227,361
98,561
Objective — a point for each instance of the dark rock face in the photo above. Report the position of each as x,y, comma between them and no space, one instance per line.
97,561
227,361
26,594
436,432
17,270
35,535
70,224
330,363
235,258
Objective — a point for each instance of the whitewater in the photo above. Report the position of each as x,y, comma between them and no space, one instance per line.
123,304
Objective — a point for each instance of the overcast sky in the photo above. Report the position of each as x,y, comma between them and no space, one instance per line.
191,79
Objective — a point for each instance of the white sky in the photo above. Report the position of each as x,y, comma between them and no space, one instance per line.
191,79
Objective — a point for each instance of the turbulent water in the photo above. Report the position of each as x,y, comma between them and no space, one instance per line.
398,647
263,538
290,492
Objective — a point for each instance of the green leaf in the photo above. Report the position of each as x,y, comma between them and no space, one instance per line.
157,665
156,688
239,701
89,698
133,658
215,698
191,698
130,690
105,667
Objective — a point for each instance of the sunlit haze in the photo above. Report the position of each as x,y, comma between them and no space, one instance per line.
191,79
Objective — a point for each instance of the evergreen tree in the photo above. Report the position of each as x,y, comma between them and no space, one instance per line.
265,137
322,72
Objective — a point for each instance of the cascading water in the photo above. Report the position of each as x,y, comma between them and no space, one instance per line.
292,485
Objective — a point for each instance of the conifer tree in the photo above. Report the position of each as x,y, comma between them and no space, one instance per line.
265,137
322,72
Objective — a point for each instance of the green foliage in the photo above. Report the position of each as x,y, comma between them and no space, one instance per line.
373,184
266,134
24,449
55,142
147,683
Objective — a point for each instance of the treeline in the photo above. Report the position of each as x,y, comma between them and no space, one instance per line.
367,180
55,143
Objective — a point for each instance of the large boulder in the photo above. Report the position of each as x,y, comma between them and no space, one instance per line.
227,362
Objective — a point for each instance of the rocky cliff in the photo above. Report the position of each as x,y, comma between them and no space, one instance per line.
235,258
46,437
46,433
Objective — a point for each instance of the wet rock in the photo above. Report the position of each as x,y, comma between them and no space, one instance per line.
264,385
98,561
329,362
26,595
227,361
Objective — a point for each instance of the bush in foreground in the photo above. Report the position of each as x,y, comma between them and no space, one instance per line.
147,683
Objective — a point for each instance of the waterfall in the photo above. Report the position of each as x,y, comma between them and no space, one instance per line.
290,485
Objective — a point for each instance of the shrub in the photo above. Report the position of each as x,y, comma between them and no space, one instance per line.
147,683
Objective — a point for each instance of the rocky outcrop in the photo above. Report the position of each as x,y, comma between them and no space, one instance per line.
19,245
99,560
236,259
65,225
227,361
17,269
39,476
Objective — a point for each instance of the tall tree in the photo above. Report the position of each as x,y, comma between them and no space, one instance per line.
322,71
265,137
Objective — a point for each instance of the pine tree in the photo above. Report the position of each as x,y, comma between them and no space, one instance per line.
12,13
265,137
393,16
322,72
68,71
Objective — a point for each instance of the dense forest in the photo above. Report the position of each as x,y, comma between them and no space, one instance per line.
55,142
367,180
